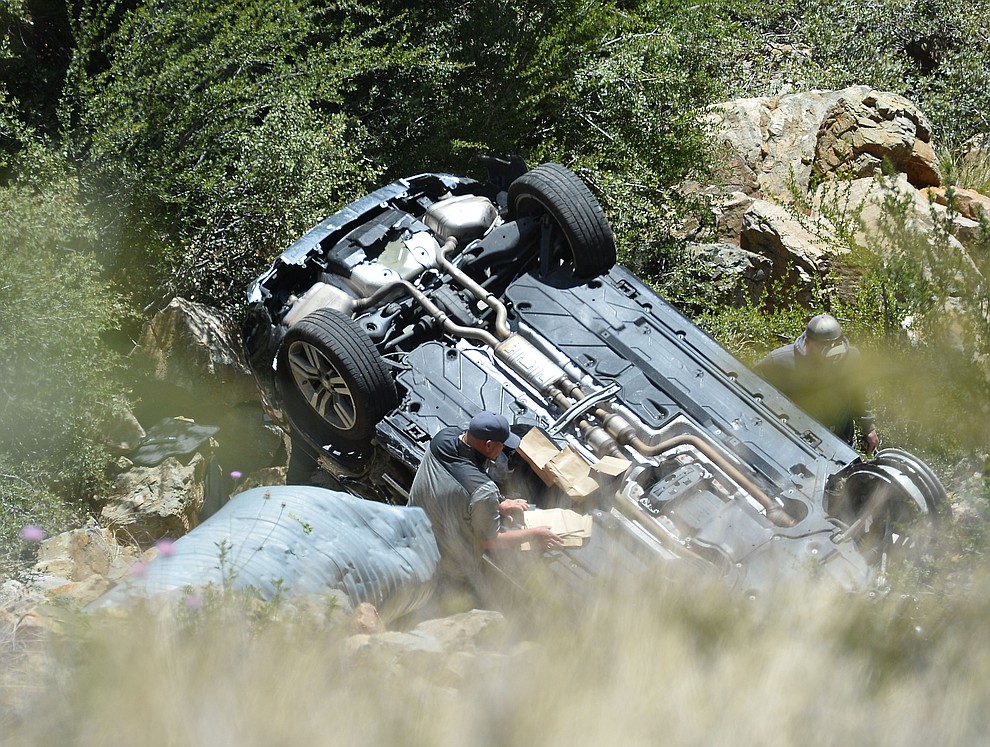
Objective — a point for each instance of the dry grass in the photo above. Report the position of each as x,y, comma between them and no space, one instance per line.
971,171
652,663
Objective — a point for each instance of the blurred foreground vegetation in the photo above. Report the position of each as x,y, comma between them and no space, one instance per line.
646,662
151,149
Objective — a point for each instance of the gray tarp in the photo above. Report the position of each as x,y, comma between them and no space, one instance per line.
292,540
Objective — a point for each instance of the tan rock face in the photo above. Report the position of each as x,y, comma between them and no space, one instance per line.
149,503
770,142
967,202
862,131
775,145
78,554
799,251
194,346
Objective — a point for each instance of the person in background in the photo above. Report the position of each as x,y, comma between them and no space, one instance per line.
468,512
821,373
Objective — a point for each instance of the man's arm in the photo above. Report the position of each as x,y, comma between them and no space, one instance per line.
486,508
869,440
540,536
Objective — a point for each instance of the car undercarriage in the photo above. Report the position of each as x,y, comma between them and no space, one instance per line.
438,296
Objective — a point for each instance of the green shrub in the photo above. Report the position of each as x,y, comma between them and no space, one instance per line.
58,381
222,133
934,52
216,134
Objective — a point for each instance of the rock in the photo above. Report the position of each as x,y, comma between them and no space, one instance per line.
80,593
198,348
123,433
734,275
866,204
17,598
78,554
771,141
392,645
149,503
467,631
260,478
967,202
799,250
775,145
730,212
967,231
863,129
366,620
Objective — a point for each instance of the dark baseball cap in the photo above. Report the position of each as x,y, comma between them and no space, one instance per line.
490,426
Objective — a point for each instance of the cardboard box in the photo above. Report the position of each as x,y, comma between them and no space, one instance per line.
572,528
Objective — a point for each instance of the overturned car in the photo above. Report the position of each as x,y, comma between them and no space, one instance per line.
439,296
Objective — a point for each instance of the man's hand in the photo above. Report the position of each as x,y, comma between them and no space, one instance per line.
870,442
512,504
544,538
540,537
512,509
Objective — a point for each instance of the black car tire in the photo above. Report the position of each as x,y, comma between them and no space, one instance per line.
333,382
556,190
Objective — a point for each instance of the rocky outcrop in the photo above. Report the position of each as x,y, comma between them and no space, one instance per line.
966,211
809,175
77,566
150,503
798,250
776,145
195,347
866,128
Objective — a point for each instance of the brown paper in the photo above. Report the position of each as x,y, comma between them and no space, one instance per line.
572,474
537,450
611,466
565,467
572,528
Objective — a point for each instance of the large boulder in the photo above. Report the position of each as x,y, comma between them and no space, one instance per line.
197,348
874,206
799,250
866,128
775,145
770,142
967,210
78,554
150,503
189,365
77,566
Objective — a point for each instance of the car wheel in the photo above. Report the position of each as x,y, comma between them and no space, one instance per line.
333,382
555,190
893,506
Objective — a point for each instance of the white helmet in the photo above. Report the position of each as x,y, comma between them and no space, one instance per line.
825,333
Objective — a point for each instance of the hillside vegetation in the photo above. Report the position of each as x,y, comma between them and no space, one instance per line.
151,149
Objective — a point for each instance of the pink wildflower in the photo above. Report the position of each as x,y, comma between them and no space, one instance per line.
33,533
166,547
138,569
236,474
194,601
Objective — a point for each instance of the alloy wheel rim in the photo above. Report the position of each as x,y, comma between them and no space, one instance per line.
322,385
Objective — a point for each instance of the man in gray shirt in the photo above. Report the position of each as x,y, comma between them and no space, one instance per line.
468,512
821,373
